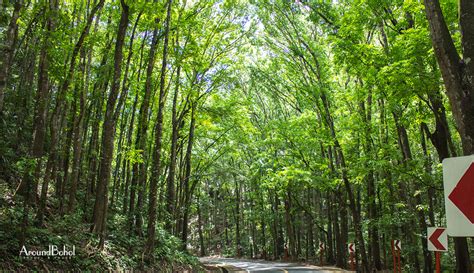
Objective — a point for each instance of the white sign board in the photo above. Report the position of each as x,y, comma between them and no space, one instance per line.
351,247
458,178
437,239
397,245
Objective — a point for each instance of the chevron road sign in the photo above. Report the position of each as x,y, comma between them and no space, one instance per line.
458,179
437,239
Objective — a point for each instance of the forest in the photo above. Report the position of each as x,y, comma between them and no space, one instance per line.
148,133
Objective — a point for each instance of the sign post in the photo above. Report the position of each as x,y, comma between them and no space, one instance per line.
438,261
322,247
285,255
351,249
458,179
438,242
396,253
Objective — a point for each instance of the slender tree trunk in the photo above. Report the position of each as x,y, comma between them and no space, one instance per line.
39,130
118,158
340,249
170,189
371,190
263,225
125,85
202,250
150,243
123,98
135,173
94,149
140,169
344,222
289,227
108,132
330,242
77,140
238,244
174,140
187,191
309,220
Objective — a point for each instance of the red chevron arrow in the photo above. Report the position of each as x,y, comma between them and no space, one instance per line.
434,239
351,247
462,197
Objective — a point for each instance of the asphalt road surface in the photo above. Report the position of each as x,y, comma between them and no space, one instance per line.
244,265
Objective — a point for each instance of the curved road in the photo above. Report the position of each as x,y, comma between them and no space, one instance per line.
245,265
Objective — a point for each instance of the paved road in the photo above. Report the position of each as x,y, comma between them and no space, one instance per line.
243,265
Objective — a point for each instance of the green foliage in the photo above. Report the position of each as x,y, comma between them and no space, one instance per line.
307,113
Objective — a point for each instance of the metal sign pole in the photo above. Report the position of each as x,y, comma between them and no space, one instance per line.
438,261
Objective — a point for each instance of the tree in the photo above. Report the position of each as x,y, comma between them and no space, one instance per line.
156,169
108,132
457,73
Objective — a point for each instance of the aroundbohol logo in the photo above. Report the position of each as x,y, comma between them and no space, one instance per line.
53,251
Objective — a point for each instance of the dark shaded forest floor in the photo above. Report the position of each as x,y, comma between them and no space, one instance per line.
121,251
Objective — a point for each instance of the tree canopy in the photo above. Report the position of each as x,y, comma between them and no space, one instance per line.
146,133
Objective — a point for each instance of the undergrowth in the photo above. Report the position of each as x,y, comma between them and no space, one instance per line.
122,251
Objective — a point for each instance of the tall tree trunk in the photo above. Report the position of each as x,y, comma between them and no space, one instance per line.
69,128
238,244
187,191
170,189
134,172
175,124
123,98
108,133
94,149
457,73
141,139
39,130
155,176
280,240
202,249
366,113
118,158
330,246
309,220
340,244
125,85
77,140
344,222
